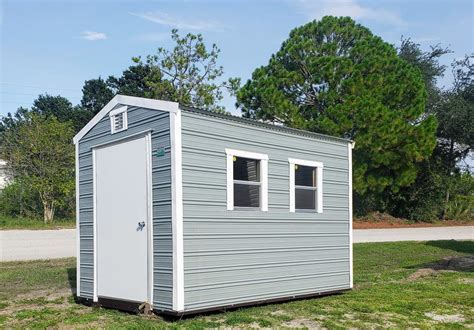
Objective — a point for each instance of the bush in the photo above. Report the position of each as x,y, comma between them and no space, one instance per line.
17,200
434,196
422,200
461,204
461,208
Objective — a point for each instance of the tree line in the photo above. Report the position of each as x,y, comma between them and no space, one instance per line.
332,76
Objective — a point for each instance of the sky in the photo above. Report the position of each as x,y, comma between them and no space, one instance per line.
54,46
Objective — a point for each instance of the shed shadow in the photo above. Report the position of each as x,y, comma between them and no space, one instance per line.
458,264
71,277
463,263
458,246
220,310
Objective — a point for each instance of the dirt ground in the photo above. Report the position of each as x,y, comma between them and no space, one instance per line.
462,264
384,220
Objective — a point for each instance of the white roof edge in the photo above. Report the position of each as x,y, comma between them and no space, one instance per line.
126,100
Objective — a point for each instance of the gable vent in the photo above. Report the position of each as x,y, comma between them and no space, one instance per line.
118,120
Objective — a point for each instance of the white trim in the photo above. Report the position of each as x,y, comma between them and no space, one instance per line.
94,223
150,218
264,187
123,138
118,110
113,114
246,154
150,211
350,146
292,186
230,181
78,228
177,211
263,176
319,184
171,107
305,162
320,191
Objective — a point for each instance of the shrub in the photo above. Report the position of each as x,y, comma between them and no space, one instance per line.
18,200
460,208
461,204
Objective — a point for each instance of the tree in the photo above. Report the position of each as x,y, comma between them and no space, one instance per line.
49,106
132,82
95,95
334,76
186,74
423,199
57,106
428,64
39,153
455,132
430,196
455,114
10,121
62,109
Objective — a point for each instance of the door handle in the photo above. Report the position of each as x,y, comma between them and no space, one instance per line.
141,225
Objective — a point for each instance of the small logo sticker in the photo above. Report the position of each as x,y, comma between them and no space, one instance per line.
160,152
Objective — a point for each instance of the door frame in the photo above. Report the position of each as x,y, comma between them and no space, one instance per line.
149,221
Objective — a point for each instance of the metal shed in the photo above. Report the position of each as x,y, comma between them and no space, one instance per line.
187,210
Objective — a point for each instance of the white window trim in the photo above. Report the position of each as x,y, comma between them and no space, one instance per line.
115,112
263,176
319,182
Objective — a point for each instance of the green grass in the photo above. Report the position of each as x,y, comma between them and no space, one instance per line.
7,222
38,294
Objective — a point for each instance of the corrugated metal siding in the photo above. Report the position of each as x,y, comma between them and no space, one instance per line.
242,256
139,119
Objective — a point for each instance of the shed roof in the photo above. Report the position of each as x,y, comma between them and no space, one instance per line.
174,107
253,122
126,100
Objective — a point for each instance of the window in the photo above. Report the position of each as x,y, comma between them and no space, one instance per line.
306,185
118,120
247,182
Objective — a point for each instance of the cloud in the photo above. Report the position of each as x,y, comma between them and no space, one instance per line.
179,23
93,36
318,9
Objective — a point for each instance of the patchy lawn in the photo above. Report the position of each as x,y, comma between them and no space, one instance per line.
29,223
403,284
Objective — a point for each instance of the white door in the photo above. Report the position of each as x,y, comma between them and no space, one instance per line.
121,173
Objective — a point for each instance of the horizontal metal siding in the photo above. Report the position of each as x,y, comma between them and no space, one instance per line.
86,217
240,256
162,242
139,120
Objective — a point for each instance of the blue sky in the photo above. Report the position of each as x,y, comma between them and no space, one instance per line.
54,46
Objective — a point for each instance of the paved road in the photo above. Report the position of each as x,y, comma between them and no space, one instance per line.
45,244
37,244
413,234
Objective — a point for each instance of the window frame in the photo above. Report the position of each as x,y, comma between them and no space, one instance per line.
112,114
319,184
263,158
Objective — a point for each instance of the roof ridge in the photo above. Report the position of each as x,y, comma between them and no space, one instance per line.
264,125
